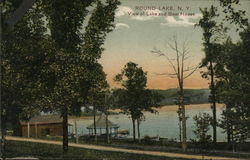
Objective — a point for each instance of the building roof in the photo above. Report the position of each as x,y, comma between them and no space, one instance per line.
44,119
101,123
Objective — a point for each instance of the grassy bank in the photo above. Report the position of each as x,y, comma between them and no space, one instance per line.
48,151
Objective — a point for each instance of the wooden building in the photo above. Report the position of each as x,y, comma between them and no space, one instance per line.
101,124
43,125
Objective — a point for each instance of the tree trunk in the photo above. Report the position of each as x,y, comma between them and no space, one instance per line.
107,128
65,130
17,127
213,103
94,112
138,130
228,126
184,127
133,120
3,133
180,130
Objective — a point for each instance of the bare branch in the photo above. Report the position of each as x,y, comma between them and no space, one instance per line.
169,60
191,68
192,71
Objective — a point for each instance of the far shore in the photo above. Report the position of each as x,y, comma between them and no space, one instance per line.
167,108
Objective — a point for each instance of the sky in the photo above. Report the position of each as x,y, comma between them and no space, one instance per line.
142,25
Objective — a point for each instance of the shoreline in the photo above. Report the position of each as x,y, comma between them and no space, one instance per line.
167,108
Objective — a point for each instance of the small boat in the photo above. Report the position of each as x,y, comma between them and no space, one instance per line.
124,132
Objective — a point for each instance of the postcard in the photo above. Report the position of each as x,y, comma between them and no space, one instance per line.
125,79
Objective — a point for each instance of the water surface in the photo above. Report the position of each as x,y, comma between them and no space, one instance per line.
163,124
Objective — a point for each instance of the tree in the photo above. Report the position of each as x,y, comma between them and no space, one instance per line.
23,55
134,98
22,58
108,104
202,126
233,88
180,72
96,97
211,33
147,100
202,123
65,75
233,75
72,70
134,80
233,15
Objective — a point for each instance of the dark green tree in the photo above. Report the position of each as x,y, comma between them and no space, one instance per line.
202,126
23,55
211,32
96,97
72,71
233,15
134,98
233,86
228,82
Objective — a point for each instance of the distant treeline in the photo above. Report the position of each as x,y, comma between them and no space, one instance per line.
193,96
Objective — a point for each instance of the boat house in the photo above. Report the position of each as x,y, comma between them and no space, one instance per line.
43,125
101,124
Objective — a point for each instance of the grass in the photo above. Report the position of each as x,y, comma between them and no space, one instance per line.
48,151
222,148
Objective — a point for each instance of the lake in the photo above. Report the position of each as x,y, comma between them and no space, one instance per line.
163,124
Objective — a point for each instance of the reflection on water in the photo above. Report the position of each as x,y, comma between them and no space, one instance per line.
163,124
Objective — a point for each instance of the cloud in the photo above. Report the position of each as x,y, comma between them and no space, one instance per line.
118,25
182,21
122,11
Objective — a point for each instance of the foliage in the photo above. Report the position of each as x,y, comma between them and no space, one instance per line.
134,98
202,126
233,87
72,72
229,64
233,15
58,64
75,70
22,61
212,33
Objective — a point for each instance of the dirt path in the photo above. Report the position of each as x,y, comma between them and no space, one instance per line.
105,148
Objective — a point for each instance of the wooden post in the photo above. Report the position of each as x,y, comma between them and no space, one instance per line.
138,130
28,129
36,129
116,131
76,134
107,128
94,112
